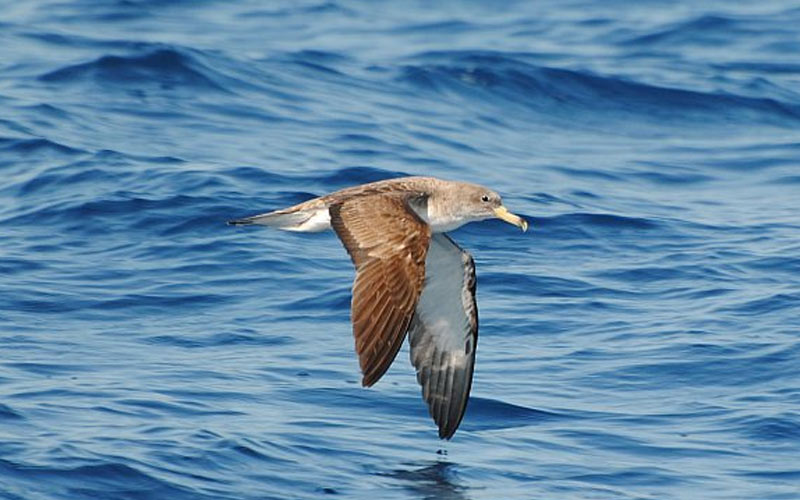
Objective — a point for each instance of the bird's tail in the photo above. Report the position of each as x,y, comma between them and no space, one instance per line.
278,219
309,216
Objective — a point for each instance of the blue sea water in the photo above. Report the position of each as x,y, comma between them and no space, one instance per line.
641,341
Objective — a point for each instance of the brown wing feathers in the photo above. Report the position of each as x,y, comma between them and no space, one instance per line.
387,243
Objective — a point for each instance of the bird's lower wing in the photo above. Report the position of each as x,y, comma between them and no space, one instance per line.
444,333
388,243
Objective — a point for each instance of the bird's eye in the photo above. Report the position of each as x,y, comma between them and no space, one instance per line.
485,197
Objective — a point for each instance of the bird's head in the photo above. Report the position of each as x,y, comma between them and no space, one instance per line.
476,203
487,204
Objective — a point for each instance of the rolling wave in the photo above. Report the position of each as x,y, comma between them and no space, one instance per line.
556,91
167,68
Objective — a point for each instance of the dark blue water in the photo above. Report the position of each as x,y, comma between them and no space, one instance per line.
641,341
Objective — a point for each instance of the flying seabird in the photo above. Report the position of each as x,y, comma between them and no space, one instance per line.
410,277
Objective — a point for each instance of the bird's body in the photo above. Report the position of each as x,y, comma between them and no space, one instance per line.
411,278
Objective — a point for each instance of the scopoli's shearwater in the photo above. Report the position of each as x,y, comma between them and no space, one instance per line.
410,277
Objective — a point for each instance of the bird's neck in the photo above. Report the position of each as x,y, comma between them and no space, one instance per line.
440,221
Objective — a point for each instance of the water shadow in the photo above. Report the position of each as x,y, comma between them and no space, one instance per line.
432,481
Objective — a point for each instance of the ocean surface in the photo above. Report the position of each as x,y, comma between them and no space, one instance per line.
641,341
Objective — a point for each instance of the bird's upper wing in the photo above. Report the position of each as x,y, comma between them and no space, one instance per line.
444,333
387,242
